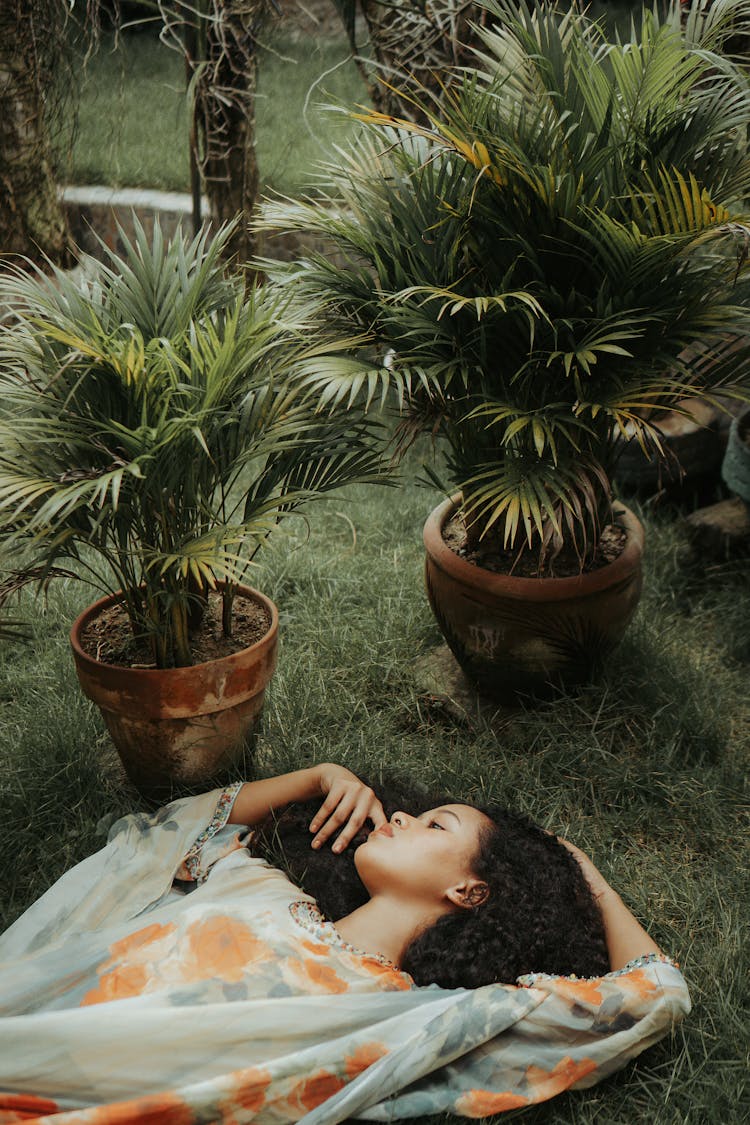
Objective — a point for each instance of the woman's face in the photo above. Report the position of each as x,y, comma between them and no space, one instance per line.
427,858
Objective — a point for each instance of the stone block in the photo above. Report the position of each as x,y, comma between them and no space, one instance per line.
720,532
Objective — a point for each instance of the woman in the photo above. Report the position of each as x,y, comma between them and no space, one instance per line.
519,902
177,977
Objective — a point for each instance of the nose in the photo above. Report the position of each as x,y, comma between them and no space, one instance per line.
400,819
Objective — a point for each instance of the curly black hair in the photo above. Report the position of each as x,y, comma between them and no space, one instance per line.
540,915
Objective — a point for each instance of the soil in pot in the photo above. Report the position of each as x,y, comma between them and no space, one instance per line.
525,564
108,638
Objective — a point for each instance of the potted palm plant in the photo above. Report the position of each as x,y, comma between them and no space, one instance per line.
150,437
535,258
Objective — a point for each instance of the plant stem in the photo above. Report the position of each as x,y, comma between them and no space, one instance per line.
180,638
227,600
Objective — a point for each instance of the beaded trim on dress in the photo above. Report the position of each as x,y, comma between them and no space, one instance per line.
637,963
218,820
308,915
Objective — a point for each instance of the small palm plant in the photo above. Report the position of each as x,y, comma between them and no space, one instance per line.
149,431
537,258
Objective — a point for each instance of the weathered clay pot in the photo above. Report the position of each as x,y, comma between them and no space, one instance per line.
179,727
529,635
735,468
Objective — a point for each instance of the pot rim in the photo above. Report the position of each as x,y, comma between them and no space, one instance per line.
526,588
95,608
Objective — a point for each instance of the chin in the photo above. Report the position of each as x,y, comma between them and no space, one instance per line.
361,865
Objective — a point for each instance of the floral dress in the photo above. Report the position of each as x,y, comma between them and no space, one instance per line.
174,979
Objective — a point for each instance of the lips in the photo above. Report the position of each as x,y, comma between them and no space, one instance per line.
384,830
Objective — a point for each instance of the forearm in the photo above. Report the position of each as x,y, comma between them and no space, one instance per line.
625,936
347,806
256,799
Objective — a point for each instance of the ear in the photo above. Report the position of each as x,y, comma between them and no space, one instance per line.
468,895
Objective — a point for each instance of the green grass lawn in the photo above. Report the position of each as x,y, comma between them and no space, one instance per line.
646,769
133,126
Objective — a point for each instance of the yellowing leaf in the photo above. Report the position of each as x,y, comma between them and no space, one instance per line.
538,432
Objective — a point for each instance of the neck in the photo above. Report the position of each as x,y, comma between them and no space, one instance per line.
385,926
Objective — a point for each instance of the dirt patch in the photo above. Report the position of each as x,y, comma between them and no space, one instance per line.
526,563
109,640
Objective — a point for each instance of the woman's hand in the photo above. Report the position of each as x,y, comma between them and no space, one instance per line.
348,802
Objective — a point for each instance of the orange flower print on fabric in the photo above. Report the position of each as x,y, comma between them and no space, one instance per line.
364,1056
221,947
125,973
315,976
313,1091
546,1083
388,977
129,948
119,984
637,983
153,1109
580,991
483,1103
318,948
249,1095
24,1107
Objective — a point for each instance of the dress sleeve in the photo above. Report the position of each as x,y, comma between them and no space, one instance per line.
581,1031
617,1016
216,840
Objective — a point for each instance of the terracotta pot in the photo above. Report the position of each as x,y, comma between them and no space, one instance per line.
179,727
735,468
530,635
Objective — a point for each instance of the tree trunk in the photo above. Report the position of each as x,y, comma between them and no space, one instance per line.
415,44
225,114
31,217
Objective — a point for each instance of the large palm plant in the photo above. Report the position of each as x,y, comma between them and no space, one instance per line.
537,260
149,431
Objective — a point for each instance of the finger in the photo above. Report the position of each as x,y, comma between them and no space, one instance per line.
328,806
362,811
377,814
339,816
